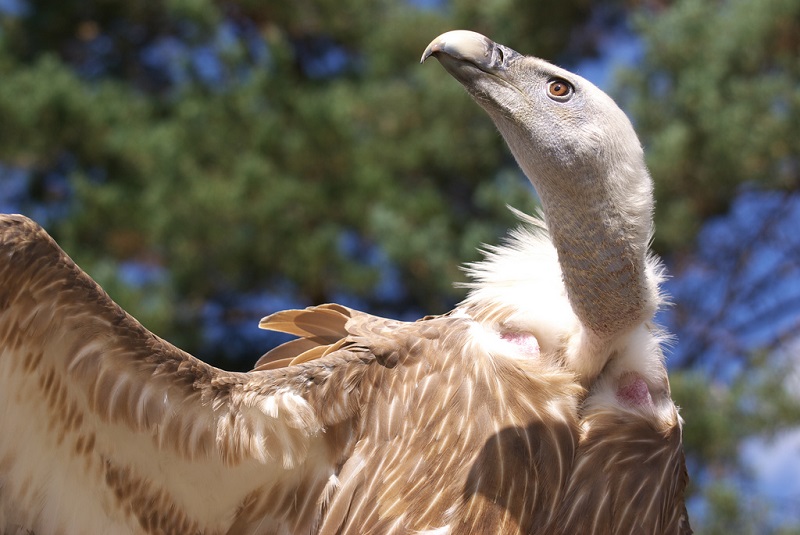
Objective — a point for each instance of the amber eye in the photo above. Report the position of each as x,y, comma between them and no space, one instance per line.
559,89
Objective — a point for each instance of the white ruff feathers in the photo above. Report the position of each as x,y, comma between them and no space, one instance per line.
519,286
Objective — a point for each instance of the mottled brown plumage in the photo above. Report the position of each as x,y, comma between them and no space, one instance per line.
540,405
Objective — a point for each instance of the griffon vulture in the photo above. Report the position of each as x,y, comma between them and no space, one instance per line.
539,405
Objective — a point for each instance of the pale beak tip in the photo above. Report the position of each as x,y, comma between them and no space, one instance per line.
462,44
430,50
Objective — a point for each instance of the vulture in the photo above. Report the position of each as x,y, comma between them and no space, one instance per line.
539,405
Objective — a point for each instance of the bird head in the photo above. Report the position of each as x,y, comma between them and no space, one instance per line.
561,128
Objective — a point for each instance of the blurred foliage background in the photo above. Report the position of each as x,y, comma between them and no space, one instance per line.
210,162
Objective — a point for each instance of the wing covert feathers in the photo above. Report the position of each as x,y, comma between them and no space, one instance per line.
328,328
322,330
323,321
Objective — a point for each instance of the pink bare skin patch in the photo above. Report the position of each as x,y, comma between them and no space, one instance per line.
526,342
632,390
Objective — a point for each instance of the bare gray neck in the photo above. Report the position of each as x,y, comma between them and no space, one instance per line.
601,233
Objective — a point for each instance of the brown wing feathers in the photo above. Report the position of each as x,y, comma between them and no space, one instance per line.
322,330
321,321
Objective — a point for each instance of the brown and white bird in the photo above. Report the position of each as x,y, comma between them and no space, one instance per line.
539,405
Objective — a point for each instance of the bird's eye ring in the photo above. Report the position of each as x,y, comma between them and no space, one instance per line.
559,89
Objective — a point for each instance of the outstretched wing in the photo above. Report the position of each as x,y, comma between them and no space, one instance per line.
104,427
